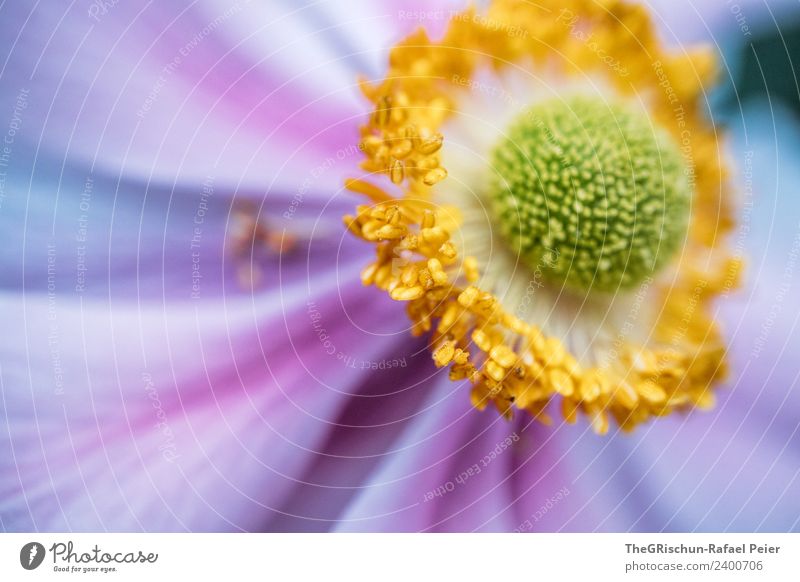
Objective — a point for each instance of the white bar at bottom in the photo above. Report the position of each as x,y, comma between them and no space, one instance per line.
400,557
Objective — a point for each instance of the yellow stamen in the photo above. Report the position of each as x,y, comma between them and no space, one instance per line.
511,363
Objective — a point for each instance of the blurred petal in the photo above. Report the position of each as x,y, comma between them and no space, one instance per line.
425,483
141,418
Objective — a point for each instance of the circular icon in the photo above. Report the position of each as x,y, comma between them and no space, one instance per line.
31,555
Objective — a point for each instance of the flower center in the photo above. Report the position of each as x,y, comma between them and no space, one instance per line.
590,194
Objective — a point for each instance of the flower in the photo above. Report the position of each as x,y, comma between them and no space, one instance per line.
588,142
175,276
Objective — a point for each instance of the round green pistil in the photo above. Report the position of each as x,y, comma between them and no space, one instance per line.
592,195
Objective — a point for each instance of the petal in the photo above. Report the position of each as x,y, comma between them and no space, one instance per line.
256,97
424,483
163,92
140,418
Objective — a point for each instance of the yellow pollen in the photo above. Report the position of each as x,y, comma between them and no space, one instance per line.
513,364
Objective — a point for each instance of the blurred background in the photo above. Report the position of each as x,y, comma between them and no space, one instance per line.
157,375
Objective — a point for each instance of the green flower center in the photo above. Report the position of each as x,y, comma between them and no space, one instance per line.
592,195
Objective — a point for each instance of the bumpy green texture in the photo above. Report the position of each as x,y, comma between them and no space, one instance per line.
592,195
